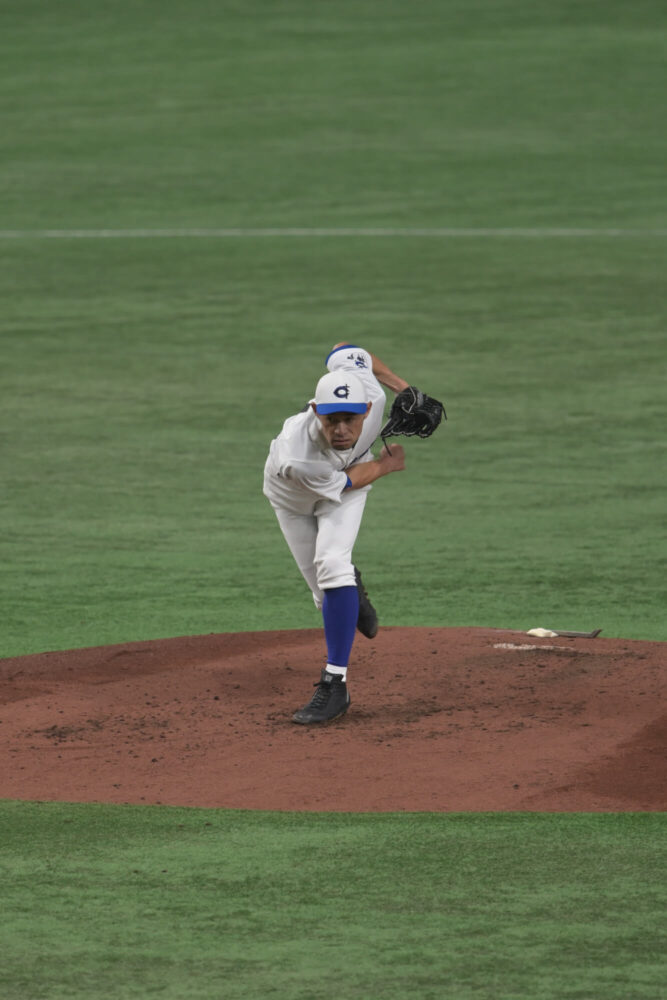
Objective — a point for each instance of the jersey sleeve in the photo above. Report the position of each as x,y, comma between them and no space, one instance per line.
317,478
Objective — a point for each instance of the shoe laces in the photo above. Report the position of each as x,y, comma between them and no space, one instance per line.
324,691
322,695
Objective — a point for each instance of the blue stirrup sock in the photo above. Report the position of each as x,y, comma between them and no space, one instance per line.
340,610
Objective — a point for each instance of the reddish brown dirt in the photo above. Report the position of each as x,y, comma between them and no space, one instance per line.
441,719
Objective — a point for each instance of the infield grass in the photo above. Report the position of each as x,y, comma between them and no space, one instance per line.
119,902
469,112
139,409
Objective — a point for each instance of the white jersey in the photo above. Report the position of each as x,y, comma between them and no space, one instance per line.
302,467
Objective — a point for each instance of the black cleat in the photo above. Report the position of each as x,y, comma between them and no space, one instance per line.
329,701
367,622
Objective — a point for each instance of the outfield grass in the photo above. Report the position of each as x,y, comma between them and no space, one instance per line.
120,902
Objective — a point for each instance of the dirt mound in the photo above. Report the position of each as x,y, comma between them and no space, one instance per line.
441,719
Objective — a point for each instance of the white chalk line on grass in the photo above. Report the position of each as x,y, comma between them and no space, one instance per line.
306,233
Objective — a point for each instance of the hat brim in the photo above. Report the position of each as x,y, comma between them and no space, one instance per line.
324,408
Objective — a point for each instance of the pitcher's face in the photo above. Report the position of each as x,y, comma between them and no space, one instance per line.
342,430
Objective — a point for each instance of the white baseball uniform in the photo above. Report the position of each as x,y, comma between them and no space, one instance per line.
306,483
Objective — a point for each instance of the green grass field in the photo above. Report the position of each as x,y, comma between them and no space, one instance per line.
141,405
142,379
185,903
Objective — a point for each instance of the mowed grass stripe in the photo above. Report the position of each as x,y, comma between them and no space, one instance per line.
306,233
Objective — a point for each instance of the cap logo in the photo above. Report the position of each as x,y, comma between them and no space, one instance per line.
336,396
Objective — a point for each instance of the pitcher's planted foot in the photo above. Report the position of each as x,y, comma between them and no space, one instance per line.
331,699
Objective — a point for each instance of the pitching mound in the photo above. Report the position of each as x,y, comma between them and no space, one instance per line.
441,719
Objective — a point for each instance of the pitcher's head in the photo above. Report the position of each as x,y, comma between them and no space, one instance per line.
341,405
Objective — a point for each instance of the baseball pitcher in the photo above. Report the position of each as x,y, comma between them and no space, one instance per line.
317,477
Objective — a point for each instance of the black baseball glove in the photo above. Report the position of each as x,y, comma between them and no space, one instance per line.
413,413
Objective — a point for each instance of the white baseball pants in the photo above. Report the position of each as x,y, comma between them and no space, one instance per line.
322,542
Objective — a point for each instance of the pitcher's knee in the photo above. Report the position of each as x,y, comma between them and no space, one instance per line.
334,571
